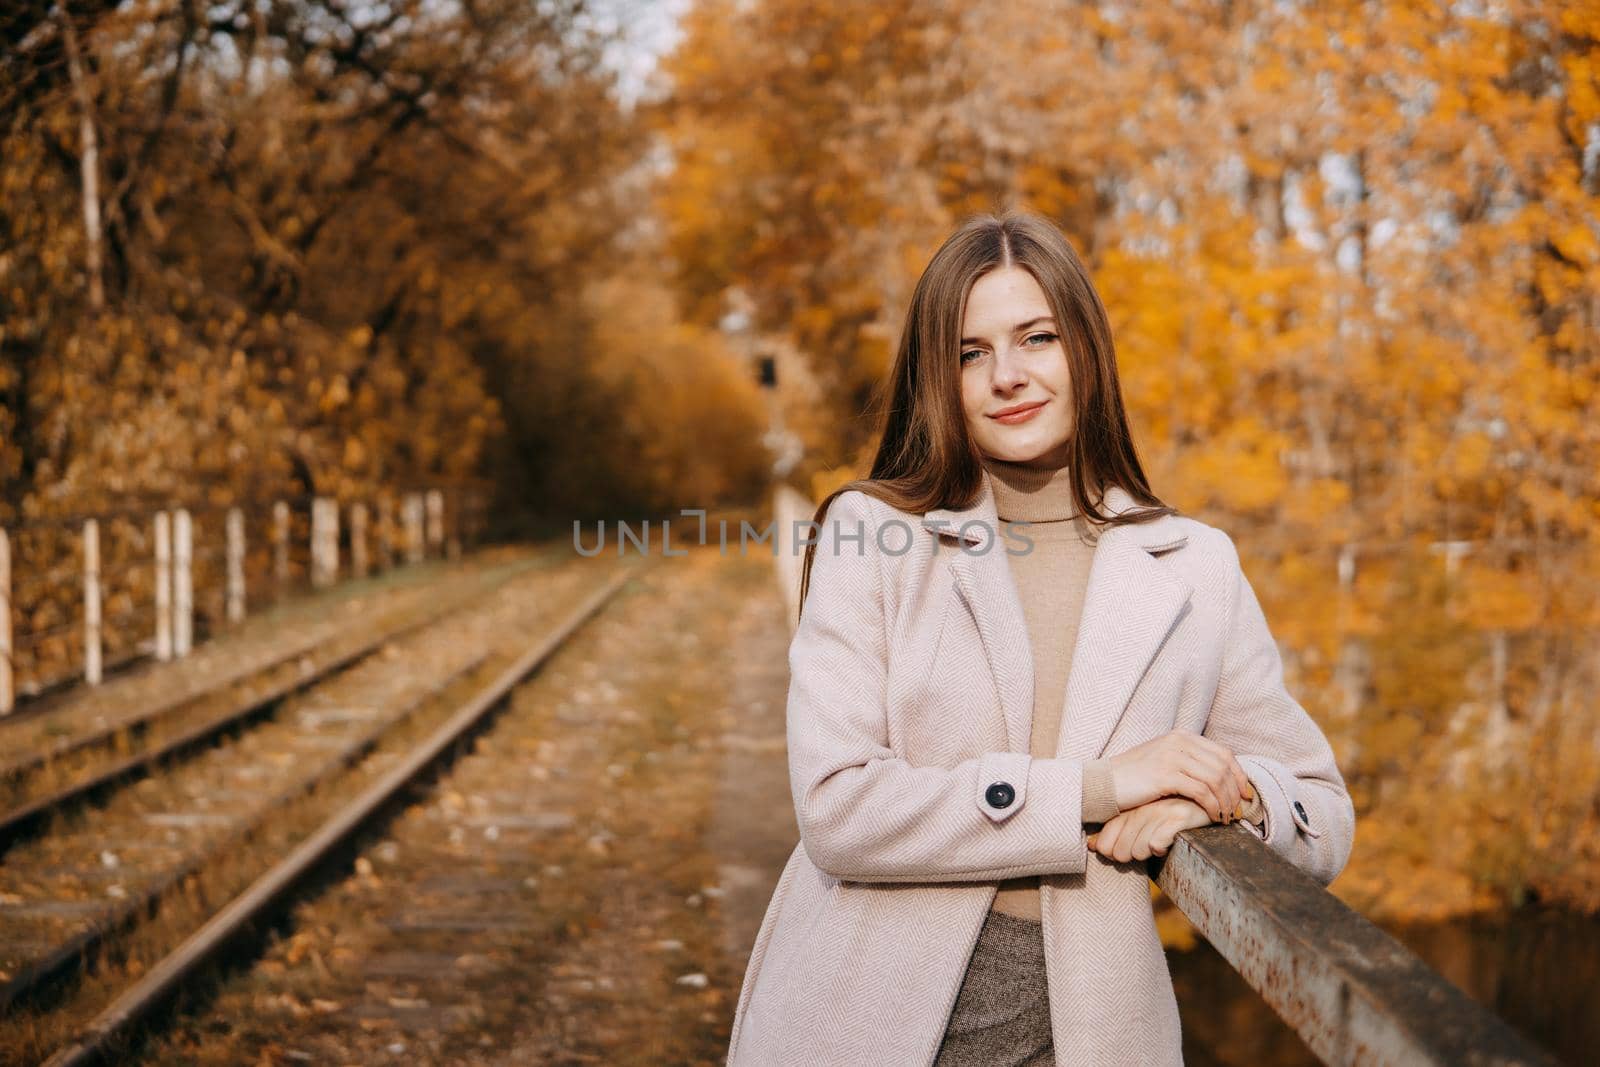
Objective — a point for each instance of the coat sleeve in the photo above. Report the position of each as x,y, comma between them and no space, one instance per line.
1310,818
865,814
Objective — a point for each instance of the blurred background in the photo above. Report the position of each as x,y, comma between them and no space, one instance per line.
615,259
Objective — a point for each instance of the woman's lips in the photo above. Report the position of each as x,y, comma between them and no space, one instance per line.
1020,416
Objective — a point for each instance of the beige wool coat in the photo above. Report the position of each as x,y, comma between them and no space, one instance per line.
911,694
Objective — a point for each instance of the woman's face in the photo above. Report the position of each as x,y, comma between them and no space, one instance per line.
1015,389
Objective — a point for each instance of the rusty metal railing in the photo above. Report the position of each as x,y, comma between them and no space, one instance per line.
1353,993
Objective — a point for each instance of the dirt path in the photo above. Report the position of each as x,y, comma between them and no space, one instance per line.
753,829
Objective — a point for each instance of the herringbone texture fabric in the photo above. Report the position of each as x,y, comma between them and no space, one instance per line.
911,693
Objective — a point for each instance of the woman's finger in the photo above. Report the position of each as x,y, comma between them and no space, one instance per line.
1213,765
1236,771
1137,838
1111,834
1241,779
1141,847
1222,784
1124,850
1200,791
1106,838
1102,839
1230,789
1247,789
1161,838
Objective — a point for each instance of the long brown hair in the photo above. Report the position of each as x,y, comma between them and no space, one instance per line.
926,458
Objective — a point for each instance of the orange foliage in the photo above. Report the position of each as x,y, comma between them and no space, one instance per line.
1352,265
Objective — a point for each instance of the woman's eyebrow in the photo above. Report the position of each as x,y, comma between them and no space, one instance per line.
1018,328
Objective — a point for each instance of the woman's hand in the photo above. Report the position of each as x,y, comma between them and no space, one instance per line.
1147,830
1181,763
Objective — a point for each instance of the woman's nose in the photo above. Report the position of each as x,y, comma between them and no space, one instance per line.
1008,368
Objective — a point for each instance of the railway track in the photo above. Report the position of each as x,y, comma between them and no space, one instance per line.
37,786
272,774
556,895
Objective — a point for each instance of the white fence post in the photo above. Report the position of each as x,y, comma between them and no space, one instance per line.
324,541
435,505
183,584
358,539
331,536
8,693
316,542
386,531
163,586
280,545
413,519
235,609
91,601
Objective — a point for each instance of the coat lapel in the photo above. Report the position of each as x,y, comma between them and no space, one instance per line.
1130,605
990,593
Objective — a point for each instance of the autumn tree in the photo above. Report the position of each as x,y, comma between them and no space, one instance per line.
1351,259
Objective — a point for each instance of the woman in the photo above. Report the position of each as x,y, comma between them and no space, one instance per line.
962,717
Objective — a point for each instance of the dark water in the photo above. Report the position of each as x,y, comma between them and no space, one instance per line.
1537,970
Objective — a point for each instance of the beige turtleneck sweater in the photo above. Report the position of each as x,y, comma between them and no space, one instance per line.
1050,579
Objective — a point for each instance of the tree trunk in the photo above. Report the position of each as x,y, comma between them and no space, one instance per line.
89,165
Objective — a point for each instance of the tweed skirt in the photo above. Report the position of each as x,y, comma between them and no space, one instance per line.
1001,1016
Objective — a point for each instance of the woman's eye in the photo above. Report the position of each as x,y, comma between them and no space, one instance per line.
1042,338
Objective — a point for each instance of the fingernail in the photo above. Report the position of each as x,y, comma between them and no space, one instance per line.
1091,839
1249,794
1238,812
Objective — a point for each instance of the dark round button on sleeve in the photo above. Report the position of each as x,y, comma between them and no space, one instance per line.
1000,795
1301,811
